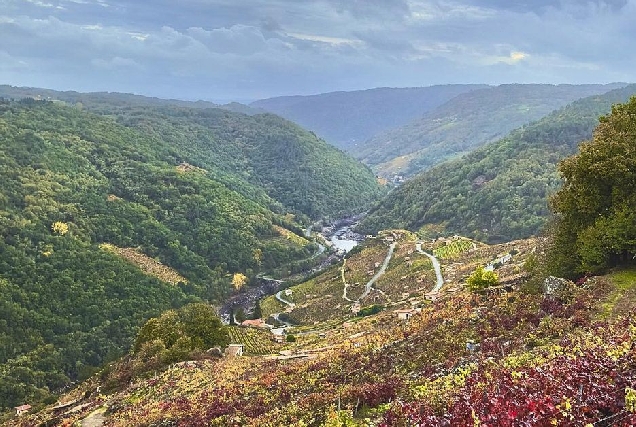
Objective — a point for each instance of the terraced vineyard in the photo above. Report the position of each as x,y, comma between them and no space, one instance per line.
148,265
453,249
256,341
542,360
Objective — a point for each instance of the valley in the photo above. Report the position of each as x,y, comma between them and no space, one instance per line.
334,213
384,370
205,246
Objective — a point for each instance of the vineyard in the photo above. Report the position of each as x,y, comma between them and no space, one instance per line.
294,238
148,265
408,277
453,249
542,360
256,341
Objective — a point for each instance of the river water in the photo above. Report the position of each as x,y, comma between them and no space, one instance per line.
341,239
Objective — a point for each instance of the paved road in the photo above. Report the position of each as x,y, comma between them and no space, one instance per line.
385,264
436,266
283,300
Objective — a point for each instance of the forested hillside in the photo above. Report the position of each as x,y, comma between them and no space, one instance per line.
304,173
100,101
498,192
466,122
595,221
442,332
347,119
78,189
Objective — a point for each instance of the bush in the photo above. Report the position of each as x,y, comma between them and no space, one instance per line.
372,309
482,279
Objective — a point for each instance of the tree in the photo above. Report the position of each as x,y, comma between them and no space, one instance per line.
192,327
60,228
595,224
239,280
482,279
258,256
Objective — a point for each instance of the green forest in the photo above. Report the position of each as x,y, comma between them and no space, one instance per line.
594,227
466,123
499,192
181,186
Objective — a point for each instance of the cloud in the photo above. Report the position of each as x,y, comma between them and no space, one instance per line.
254,48
116,64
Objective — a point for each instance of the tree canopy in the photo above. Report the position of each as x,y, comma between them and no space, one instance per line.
595,225
192,327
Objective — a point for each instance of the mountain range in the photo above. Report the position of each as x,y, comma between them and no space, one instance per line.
500,191
348,119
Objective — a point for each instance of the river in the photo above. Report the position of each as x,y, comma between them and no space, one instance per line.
343,239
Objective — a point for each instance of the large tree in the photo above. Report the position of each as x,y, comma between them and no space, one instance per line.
595,224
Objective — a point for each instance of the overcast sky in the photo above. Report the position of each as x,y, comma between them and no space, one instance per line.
249,49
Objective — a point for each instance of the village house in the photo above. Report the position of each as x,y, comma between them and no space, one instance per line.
405,313
356,307
234,350
256,323
22,409
278,335
431,296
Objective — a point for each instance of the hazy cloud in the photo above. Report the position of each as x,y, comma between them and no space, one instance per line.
220,49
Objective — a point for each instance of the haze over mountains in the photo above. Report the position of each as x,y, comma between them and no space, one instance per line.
348,119
465,123
404,131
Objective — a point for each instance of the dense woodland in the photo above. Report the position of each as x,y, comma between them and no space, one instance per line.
595,224
183,186
499,192
467,122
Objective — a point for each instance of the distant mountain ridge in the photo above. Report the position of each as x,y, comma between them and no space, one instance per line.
97,100
347,119
498,192
466,122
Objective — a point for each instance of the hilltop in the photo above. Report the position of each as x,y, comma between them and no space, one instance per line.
347,119
104,101
466,122
500,191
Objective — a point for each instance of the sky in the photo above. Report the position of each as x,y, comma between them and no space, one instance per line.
244,50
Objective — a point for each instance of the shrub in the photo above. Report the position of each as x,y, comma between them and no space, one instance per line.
482,279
